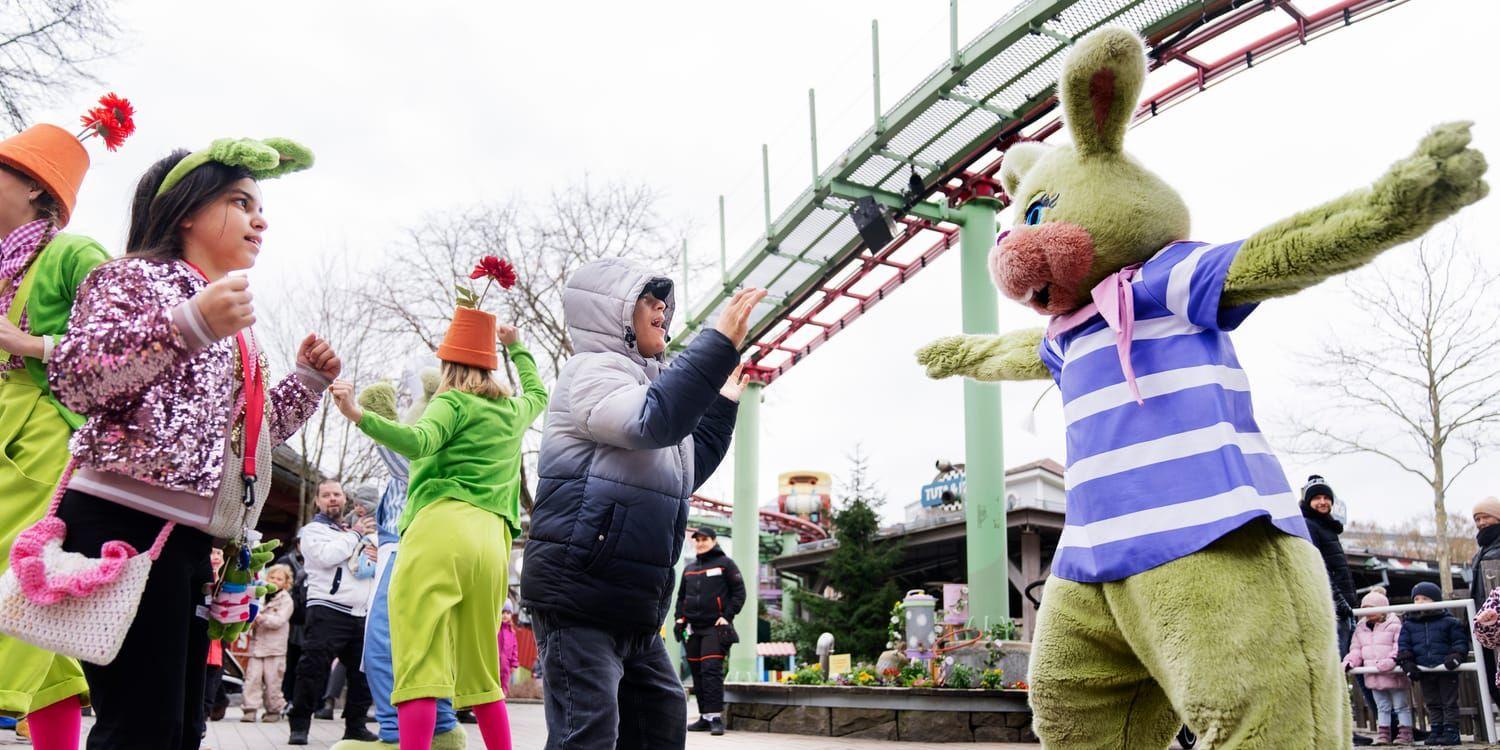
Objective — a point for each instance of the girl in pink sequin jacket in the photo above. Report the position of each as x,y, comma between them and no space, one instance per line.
157,385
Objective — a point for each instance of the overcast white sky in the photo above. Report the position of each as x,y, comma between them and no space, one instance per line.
414,108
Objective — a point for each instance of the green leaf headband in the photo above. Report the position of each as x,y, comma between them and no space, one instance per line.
266,159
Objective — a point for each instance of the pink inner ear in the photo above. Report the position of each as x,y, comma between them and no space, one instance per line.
1102,96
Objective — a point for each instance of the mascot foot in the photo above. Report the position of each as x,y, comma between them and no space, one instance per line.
362,745
453,739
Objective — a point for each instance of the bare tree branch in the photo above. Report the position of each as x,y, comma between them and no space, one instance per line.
1430,382
46,47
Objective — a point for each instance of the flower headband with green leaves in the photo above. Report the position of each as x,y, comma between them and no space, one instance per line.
266,159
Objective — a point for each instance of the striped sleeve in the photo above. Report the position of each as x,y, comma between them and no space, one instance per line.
1188,278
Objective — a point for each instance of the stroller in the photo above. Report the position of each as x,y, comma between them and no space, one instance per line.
1185,737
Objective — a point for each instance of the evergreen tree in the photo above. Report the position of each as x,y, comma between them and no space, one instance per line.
857,611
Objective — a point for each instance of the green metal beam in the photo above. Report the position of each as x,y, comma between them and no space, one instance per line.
935,212
747,530
984,453
875,141
812,129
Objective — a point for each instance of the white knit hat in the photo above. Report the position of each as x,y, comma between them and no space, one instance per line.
1489,506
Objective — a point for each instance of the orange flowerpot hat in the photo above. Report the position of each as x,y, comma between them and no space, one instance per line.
51,156
470,340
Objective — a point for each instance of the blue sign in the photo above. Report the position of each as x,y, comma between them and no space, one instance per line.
933,494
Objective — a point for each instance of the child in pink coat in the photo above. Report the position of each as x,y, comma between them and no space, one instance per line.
1374,645
510,654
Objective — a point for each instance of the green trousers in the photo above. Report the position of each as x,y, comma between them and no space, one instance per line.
35,439
445,598
1237,641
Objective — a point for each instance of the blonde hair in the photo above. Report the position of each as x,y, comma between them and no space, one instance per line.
283,569
466,379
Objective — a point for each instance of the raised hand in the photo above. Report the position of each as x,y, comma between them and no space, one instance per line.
226,305
734,322
317,354
1440,177
736,384
508,334
342,392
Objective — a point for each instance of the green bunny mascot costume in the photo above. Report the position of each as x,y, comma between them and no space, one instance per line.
1183,588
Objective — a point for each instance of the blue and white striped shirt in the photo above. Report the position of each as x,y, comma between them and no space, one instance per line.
1150,483
393,499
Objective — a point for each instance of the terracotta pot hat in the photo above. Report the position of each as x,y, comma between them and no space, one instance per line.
470,340
51,156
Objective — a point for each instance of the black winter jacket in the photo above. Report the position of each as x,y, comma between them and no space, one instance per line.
1325,531
1478,591
1430,637
711,588
627,440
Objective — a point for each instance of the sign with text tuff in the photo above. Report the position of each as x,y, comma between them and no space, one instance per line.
946,490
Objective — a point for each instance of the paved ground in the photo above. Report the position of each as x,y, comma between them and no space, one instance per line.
529,732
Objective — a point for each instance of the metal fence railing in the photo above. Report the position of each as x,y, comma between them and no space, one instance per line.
1474,667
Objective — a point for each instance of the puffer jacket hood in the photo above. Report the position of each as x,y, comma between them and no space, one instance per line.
599,307
628,439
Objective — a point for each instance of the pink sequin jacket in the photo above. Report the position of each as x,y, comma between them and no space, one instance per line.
157,386
1489,635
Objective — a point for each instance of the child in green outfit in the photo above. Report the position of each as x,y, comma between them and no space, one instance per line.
462,511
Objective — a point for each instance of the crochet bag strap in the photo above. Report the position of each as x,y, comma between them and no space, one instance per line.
62,488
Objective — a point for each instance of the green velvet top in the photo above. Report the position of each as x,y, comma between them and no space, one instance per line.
467,447
59,270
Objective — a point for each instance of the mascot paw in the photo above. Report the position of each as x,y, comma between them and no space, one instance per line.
379,398
1443,176
943,358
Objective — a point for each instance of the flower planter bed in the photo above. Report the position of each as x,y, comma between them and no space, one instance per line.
888,713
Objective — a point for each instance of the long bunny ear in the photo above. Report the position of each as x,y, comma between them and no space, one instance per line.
1100,86
1019,159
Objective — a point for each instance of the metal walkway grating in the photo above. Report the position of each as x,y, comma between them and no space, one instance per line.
998,89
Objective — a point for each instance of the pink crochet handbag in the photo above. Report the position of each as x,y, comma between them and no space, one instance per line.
69,603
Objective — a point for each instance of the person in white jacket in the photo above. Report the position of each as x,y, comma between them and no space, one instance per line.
333,556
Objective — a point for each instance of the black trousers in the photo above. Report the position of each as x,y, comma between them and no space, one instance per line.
607,690
330,634
289,680
151,696
1440,693
706,657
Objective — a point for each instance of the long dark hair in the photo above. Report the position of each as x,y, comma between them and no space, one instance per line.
155,221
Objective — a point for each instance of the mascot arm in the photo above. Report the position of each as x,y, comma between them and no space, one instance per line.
1301,251
1009,356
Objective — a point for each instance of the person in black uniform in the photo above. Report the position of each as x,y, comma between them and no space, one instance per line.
711,594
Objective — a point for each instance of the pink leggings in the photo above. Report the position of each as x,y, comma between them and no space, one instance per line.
416,720
58,726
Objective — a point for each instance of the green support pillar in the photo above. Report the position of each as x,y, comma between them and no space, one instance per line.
674,649
984,456
747,531
788,585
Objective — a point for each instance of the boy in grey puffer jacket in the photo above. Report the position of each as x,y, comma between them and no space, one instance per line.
628,439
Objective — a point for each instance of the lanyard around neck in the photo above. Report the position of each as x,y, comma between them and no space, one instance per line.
254,391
